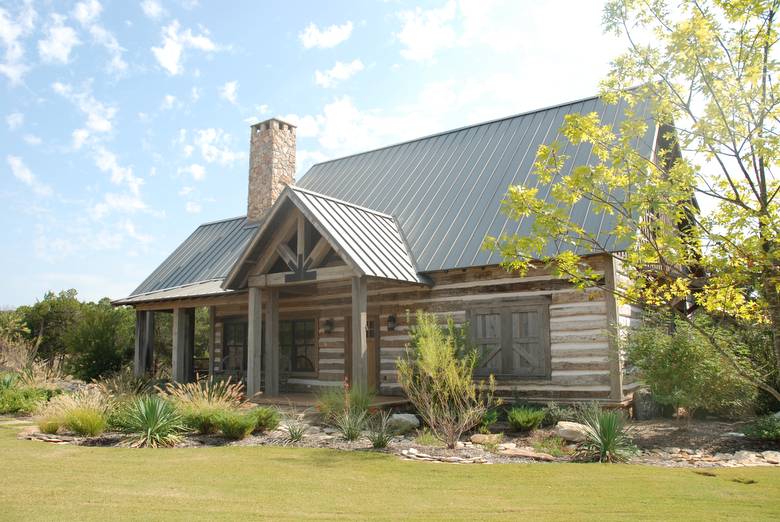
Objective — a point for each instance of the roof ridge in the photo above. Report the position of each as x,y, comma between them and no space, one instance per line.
217,221
342,202
458,129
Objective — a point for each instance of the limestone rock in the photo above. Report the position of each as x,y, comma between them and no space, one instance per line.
571,431
486,438
772,457
521,452
404,422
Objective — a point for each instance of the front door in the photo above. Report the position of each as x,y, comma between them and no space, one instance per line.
372,342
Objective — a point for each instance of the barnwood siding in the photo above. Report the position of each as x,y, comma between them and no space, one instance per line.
629,316
579,340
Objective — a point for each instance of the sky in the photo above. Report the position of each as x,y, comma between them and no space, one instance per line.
124,125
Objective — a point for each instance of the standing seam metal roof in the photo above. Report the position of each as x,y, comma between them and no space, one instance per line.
445,190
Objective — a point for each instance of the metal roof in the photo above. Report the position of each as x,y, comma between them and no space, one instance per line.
372,240
206,255
369,241
189,290
445,190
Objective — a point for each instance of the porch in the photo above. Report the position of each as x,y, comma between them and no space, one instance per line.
309,400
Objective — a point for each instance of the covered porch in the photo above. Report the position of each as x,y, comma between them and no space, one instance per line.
293,315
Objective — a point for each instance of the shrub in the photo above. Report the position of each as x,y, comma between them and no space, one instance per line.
425,437
21,399
151,421
266,419
552,445
490,418
206,392
437,376
204,421
607,438
765,428
350,424
235,425
85,421
554,413
8,380
682,368
296,430
525,418
335,400
380,432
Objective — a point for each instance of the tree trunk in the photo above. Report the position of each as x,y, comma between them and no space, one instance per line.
773,300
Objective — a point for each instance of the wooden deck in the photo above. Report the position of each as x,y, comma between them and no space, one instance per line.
309,400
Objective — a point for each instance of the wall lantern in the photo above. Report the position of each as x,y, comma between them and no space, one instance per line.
328,327
391,322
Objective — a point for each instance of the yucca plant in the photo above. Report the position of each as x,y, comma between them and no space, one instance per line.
380,432
350,423
151,421
607,437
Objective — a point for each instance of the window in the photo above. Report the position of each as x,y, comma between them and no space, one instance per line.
297,338
234,347
513,340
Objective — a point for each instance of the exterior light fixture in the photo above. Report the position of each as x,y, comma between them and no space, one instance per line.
391,322
328,327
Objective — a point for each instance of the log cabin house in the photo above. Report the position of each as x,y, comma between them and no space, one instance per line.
315,283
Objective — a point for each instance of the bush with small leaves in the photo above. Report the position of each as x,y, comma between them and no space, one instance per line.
234,425
765,428
525,418
266,418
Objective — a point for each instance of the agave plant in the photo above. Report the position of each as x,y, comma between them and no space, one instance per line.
206,392
151,421
350,423
607,436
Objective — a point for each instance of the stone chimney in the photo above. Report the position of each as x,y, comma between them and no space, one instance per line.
271,165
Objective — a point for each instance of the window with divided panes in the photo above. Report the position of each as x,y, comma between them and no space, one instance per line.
513,340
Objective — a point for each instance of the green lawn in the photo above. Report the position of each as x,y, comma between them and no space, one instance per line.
44,481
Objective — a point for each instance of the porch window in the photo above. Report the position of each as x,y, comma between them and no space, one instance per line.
298,338
234,352
512,340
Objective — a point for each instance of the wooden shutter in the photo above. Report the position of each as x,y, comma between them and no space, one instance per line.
529,354
487,338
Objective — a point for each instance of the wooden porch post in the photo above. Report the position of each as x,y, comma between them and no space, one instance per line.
139,355
272,343
180,340
212,316
149,341
359,341
254,364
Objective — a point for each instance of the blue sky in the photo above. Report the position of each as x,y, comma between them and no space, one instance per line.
124,125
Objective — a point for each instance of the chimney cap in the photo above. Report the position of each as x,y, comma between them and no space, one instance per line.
266,123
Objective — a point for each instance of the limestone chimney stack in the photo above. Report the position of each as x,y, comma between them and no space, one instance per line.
271,164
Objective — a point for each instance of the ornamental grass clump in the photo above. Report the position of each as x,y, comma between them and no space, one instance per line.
380,431
335,400
437,376
525,418
125,383
151,421
607,438
87,422
350,424
205,392
84,412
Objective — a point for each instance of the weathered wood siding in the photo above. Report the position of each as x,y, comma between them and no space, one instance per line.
629,316
578,330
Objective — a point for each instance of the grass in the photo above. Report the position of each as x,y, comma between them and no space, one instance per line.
44,481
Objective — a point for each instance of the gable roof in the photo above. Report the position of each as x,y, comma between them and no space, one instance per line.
207,254
370,242
445,190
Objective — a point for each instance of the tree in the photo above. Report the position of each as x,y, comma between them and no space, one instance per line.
48,321
704,71
101,342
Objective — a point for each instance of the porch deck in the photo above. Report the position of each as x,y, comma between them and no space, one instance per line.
309,400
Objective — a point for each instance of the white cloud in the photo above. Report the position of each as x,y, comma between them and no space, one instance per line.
313,36
32,139
170,54
198,172
129,228
169,102
263,108
215,146
153,9
338,73
194,94
193,207
306,126
11,32
424,32
112,202
185,191
23,174
87,14
106,161
14,120
99,115
229,91
59,42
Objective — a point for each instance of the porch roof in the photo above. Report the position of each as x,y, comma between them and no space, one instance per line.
370,242
199,289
